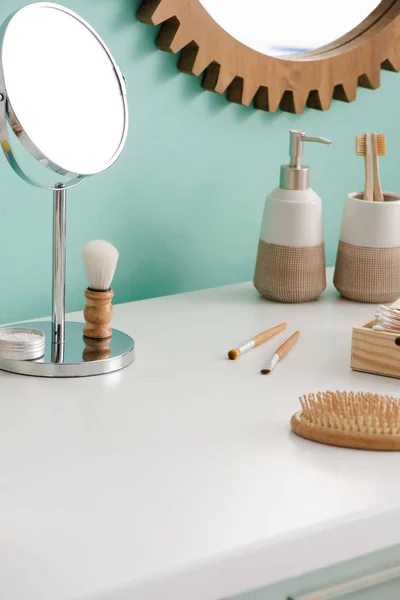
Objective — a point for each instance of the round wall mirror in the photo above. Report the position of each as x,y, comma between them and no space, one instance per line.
65,94
294,26
284,55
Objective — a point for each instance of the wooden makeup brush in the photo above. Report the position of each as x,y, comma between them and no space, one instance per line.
100,260
280,353
256,341
378,149
363,148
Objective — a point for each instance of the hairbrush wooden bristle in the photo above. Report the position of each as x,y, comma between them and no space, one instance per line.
363,148
352,420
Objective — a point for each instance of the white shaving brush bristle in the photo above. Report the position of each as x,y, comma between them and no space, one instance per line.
100,261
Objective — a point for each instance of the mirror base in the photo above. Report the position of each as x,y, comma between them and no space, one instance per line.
77,357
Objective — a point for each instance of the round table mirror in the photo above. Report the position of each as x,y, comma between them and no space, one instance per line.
64,97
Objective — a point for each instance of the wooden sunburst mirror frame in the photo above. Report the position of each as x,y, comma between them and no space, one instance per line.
291,83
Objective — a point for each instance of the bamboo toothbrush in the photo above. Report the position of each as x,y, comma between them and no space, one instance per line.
363,148
378,149
100,260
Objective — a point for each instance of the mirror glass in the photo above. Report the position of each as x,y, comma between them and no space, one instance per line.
291,26
64,89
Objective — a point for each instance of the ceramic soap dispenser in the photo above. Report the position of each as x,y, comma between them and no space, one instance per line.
291,254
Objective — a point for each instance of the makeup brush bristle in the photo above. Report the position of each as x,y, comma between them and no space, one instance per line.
100,261
361,144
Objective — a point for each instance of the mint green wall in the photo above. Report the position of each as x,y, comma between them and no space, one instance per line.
184,202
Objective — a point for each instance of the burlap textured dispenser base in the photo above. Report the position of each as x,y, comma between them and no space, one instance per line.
289,274
367,274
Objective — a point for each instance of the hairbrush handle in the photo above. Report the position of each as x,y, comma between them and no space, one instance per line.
270,333
284,349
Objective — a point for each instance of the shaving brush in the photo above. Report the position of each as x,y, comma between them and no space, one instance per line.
100,261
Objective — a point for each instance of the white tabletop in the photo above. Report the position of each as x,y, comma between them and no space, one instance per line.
178,477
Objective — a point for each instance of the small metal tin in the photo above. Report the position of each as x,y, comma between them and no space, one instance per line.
21,343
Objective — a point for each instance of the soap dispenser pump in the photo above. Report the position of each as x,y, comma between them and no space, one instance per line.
290,263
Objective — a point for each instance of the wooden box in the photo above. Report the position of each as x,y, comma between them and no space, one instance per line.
376,352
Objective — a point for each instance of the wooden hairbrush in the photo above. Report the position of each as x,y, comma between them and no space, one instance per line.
352,420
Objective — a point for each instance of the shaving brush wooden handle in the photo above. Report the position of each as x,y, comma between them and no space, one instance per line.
96,349
98,314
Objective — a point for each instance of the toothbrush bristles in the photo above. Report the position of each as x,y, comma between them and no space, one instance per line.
381,144
361,144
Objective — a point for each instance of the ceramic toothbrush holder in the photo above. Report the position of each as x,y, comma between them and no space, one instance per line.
368,258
